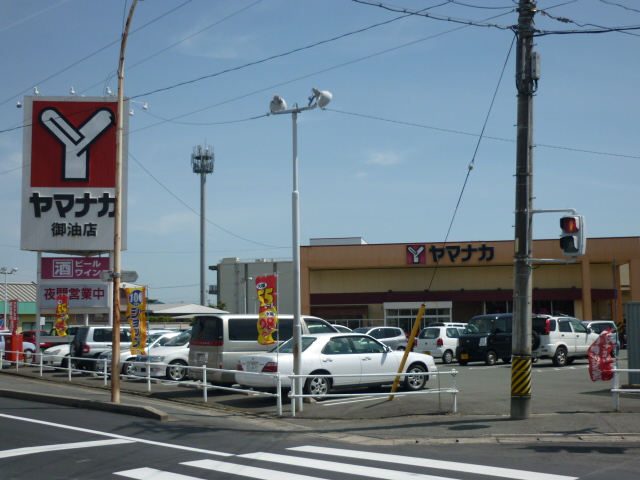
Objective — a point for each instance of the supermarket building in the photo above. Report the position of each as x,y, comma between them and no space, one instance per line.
355,283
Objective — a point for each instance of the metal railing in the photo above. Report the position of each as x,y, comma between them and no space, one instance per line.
616,390
67,365
452,390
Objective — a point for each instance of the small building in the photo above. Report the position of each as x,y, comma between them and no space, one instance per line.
25,293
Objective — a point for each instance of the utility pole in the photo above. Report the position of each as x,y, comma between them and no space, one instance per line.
202,163
527,74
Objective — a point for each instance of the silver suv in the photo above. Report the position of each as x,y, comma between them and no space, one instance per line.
89,342
391,336
562,339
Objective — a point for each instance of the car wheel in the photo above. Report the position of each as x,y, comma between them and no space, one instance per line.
65,364
560,357
535,340
463,362
177,371
416,382
401,348
507,360
317,386
447,357
128,369
490,358
570,360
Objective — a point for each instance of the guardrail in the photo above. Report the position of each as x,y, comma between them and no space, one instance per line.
616,390
453,389
25,358
105,372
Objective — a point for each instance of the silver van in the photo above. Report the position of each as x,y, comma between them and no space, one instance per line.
218,341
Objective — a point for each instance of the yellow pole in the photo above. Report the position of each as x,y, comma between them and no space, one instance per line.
414,333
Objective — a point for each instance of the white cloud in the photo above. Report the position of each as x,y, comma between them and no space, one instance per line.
384,159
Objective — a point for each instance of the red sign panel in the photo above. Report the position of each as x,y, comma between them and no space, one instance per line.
73,144
73,268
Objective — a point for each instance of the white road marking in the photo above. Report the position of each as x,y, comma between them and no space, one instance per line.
153,474
439,464
245,471
120,437
62,446
370,472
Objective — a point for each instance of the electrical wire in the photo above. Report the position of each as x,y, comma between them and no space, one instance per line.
194,211
471,165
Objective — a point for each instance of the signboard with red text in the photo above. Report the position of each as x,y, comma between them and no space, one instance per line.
69,174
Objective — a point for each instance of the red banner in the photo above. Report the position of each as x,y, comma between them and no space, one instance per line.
600,359
268,315
13,316
62,315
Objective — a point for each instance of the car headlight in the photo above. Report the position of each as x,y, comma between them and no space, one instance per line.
52,352
156,359
483,342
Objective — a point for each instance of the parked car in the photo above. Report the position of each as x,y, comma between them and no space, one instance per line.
28,348
341,328
90,341
154,339
218,341
334,353
486,338
56,356
391,336
440,340
562,339
30,336
599,326
170,361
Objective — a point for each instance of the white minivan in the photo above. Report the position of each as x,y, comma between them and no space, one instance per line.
440,340
218,341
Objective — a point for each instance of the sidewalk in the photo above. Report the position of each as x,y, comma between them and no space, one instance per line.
392,426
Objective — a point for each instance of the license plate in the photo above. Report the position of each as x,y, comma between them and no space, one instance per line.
464,356
252,366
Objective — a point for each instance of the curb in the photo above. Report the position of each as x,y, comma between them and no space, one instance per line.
134,410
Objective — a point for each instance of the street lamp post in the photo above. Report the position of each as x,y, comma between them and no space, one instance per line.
278,106
5,271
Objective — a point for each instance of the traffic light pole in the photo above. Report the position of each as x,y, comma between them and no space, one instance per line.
522,288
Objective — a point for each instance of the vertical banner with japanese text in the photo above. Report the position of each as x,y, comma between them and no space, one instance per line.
62,315
137,316
268,315
13,316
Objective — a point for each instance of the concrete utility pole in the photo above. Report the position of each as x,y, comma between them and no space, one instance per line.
527,74
202,163
117,230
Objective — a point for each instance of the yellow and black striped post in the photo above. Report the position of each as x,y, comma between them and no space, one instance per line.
521,376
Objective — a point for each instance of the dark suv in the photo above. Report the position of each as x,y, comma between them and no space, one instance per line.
89,342
486,338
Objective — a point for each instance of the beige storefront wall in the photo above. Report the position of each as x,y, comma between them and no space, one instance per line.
361,271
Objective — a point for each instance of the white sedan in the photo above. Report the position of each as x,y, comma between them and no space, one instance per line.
366,361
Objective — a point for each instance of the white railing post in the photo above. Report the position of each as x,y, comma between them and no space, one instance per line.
616,386
204,383
279,393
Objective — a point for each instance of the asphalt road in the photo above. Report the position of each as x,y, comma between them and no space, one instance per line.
39,441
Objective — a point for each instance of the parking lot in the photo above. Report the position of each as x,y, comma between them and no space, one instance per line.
483,390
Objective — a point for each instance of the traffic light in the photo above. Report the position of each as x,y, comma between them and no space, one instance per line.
572,239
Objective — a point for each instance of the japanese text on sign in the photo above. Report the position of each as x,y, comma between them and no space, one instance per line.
268,316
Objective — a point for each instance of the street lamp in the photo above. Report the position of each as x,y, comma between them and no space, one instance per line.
6,272
278,106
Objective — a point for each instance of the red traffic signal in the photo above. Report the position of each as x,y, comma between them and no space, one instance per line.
572,239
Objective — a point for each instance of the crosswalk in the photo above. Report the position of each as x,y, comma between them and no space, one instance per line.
305,458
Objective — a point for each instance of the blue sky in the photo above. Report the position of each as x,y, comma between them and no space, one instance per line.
386,161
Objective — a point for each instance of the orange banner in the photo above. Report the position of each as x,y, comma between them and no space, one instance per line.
62,315
268,315
137,316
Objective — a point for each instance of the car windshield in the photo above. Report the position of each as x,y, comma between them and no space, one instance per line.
180,340
362,329
287,347
478,325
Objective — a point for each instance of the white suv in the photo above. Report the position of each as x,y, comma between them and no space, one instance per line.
440,340
562,339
